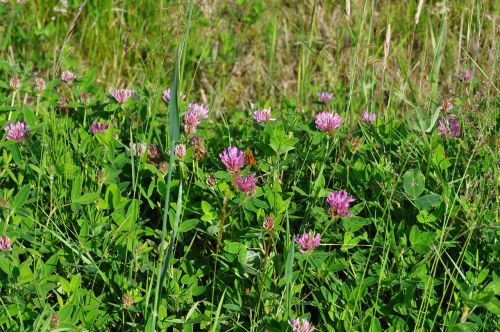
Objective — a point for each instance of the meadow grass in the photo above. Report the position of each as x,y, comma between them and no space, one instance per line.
127,215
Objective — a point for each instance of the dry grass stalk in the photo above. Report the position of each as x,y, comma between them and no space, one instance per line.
419,10
387,46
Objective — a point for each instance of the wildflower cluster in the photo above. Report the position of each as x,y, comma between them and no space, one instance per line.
233,159
339,202
449,127
263,115
301,325
328,122
325,97
99,127
308,241
67,76
193,117
368,117
17,130
121,95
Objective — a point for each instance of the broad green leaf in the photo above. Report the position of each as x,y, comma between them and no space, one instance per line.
86,198
352,224
427,202
29,116
113,196
21,197
464,327
233,247
413,183
50,265
188,225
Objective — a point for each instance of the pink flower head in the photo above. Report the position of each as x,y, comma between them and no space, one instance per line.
449,127
180,151
467,76
67,76
14,83
197,140
268,223
191,121
263,115
138,148
308,241
233,159
246,183
5,242
121,95
17,130
328,122
325,97
301,325
193,117
339,203
199,148
200,109
166,96
368,117
40,84
99,127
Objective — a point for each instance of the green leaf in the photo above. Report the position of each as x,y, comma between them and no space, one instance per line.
21,197
188,225
428,201
50,265
413,183
493,287
352,224
113,196
282,146
29,116
233,247
493,306
86,198
197,290
5,265
279,141
464,327
217,313
259,203
420,241
439,158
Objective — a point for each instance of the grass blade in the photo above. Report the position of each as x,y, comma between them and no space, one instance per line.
217,313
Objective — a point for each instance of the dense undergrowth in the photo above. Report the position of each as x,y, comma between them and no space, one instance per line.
351,190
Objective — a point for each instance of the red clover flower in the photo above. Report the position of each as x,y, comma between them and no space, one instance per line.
339,203
121,95
449,127
180,151
301,325
233,159
328,122
325,97
246,183
5,243
99,127
17,130
368,117
308,241
67,76
263,115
